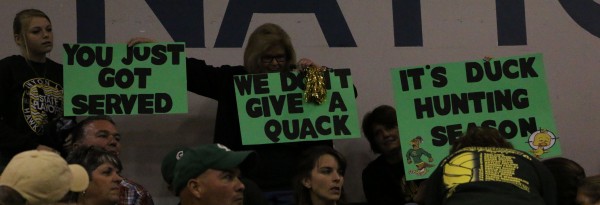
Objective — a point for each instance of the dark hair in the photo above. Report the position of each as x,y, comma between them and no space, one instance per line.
9,196
568,175
384,115
91,157
590,187
307,161
480,137
79,129
262,39
26,14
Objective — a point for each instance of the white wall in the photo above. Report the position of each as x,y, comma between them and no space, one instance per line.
453,31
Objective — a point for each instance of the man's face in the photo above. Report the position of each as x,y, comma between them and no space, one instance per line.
103,134
221,187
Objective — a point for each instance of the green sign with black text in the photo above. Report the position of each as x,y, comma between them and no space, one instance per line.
436,103
114,79
272,109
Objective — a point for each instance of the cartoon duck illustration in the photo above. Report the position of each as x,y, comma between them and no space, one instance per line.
540,142
415,154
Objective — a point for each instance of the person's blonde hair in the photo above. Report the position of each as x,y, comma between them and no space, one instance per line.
23,18
20,23
262,39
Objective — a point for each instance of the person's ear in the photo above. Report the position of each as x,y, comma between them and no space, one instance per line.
306,183
76,145
196,188
18,39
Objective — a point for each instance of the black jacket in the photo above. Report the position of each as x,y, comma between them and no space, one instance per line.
31,103
276,162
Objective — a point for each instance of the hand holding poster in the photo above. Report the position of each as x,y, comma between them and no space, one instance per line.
436,103
115,79
271,108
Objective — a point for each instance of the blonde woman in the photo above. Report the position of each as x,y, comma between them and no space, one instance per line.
31,90
269,49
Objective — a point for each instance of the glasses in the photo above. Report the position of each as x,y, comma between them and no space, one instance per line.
269,59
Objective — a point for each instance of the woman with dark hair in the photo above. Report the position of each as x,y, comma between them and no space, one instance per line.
319,176
483,168
103,168
480,137
568,176
589,191
383,179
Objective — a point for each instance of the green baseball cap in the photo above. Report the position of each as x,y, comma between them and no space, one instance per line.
211,156
167,167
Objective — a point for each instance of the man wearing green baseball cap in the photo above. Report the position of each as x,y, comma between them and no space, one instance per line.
210,175
167,166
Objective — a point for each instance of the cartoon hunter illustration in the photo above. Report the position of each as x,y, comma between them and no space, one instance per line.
415,154
541,141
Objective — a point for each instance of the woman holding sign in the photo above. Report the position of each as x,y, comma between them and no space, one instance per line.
31,90
269,49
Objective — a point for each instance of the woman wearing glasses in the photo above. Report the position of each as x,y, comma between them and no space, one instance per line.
269,49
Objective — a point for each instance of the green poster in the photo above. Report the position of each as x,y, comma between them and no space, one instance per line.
114,79
272,109
436,103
